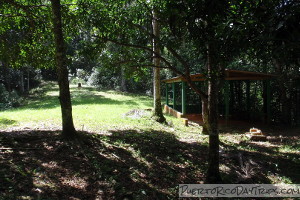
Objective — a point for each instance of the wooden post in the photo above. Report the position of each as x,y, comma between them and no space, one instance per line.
174,98
248,97
226,93
167,94
268,88
183,97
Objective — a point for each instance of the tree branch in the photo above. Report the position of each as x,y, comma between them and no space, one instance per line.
170,49
24,8
169,65
149,65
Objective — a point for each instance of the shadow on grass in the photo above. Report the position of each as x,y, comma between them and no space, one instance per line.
84,96
255,163
4,121
48,102
136,165
125,163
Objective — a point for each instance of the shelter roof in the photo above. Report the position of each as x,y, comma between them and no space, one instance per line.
229,75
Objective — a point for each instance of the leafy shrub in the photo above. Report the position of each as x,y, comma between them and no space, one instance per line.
76,80
14,100
104,78
8,99
3,95
110,78
93,79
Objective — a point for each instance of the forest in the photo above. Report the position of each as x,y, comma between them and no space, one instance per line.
127,99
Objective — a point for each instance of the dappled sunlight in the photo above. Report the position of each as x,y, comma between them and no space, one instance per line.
75,182
115,164
163,151
260,162
30,123
116,154
53,93
128,160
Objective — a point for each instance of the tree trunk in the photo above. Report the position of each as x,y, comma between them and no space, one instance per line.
68,130
28,80
205,126
123,80
213,173
157,114
285,101
7,77
22,86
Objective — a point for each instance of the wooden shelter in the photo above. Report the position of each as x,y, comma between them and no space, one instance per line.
230,75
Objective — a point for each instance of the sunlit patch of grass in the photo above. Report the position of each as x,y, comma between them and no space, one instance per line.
93,110
269,162
290,148
279,179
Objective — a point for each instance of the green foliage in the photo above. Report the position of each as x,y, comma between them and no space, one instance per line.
105,37
103,78
76,80
25,35
9,99
3,94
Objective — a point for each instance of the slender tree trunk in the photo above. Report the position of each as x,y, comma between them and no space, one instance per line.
285,101
205,126
68,130
7,77
213,173
28,80
22,86
157,114
123,80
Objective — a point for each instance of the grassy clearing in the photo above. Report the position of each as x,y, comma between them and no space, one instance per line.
93,111
120,155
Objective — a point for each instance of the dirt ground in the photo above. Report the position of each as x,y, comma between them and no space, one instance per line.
244,126
131,164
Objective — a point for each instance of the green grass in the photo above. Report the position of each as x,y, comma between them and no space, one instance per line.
130,155
93,110
123,156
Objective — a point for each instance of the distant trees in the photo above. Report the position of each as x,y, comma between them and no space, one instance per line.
16,74
280,50
115,40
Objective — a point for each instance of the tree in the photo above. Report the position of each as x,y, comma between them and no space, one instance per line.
24,15
68,129
157,114
217,32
